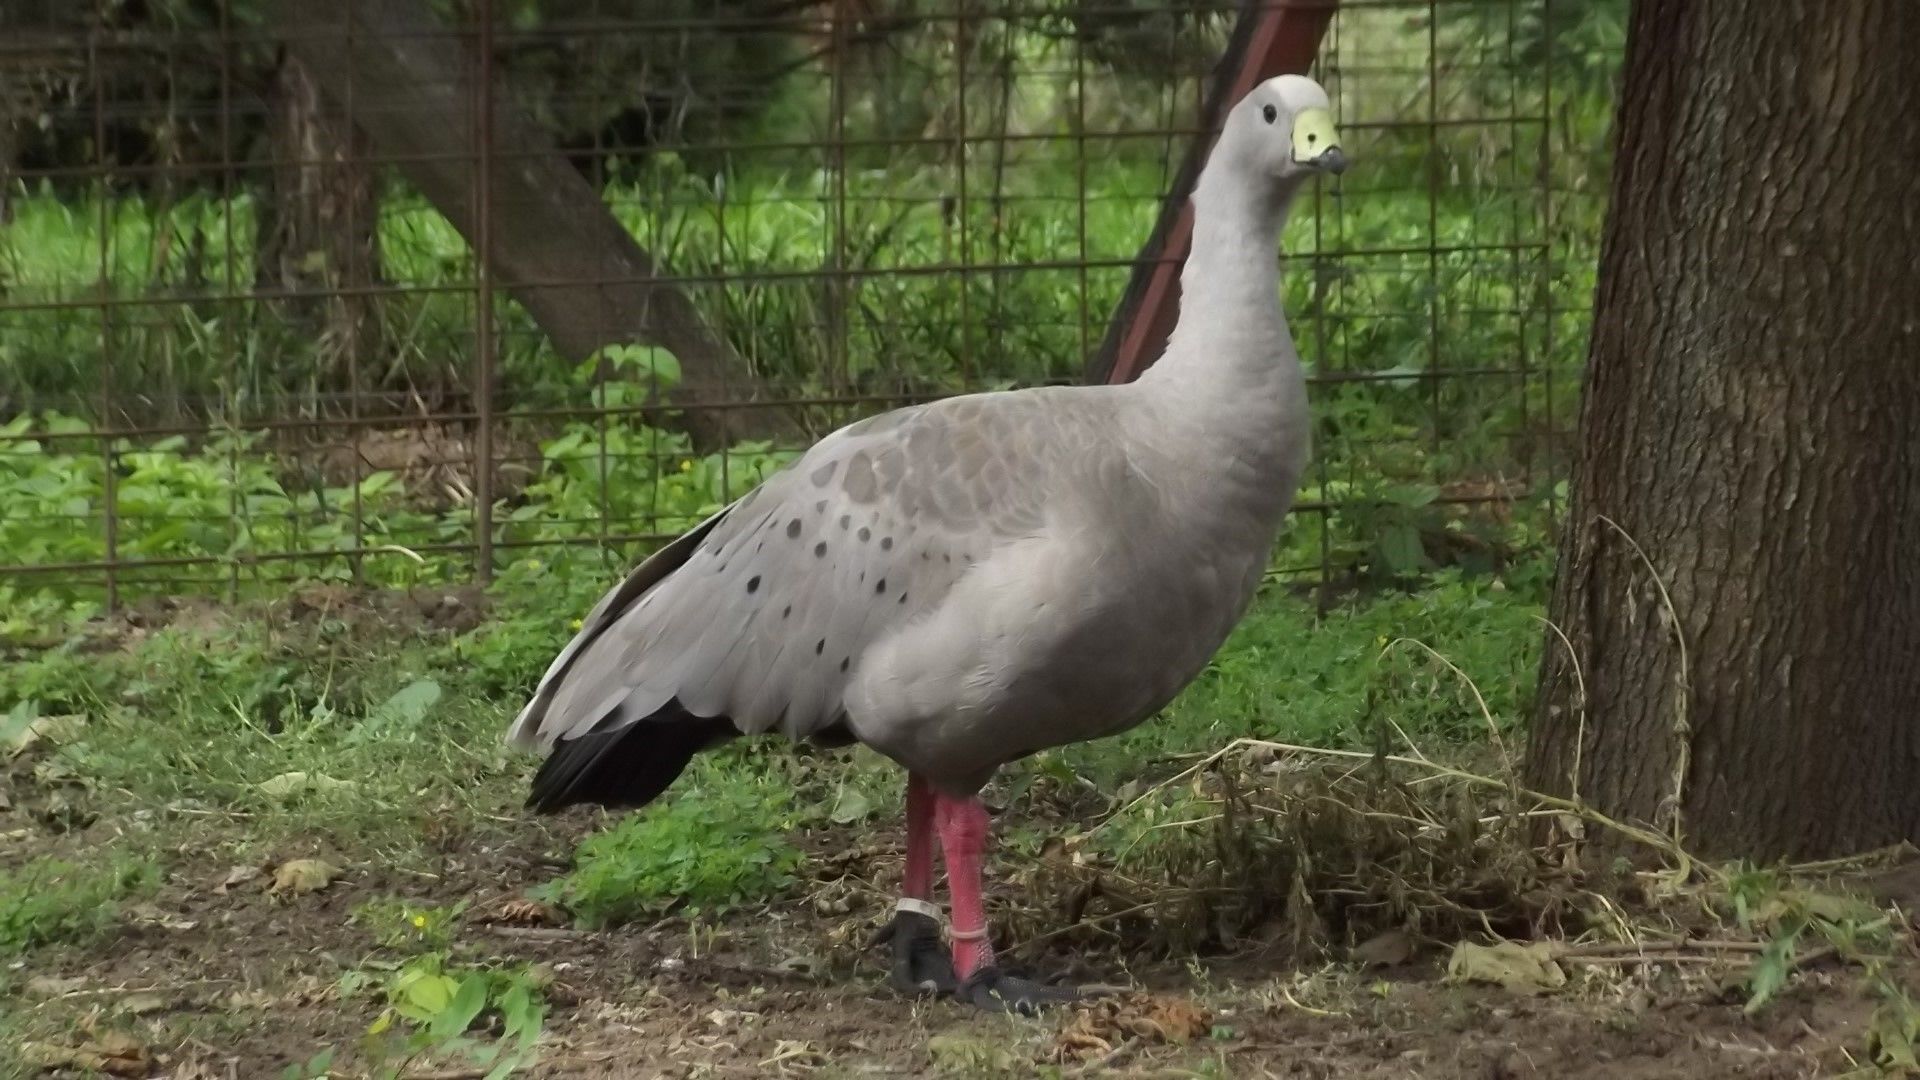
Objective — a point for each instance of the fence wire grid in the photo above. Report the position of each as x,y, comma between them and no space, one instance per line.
246,342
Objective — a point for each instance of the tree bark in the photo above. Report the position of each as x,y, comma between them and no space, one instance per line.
1740,570
320,223
554,244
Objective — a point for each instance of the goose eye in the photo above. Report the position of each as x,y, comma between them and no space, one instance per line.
1269,112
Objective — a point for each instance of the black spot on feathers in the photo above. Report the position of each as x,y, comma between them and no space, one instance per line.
865,534
753,583
786,611
902,600
882,587
820,550
886,543
820,646
793,528
846,520
844,661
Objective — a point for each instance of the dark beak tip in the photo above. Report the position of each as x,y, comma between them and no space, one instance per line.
1333,161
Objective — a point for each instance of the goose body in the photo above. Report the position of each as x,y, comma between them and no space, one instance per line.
960,584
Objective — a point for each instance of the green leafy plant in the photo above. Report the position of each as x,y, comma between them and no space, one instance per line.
50,901
711,847
1766,902
408,927
432,1007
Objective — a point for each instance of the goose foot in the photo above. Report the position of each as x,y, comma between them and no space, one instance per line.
994,990
920,961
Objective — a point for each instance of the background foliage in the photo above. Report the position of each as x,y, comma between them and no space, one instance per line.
1436,292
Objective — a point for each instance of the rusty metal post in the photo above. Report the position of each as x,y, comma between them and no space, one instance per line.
356,564
237,520
483,304
109,479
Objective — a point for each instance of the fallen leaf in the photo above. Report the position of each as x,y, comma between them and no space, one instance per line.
1523,968
53,772
794,1050
1093,1029
194,1068
289,784
1081,1045
241,1000
802,964
519,911
1892,1037
971,1054
111,1052
722,1018
153,915
239,875
405,710
852,805
49,729
1832,907
296,877
53,986
142,1003
1390,948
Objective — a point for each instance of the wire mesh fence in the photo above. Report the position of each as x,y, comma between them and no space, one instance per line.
247,337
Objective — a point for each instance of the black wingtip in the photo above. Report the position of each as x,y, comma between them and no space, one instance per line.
625,768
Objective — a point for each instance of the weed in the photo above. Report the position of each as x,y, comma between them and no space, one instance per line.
720,841
405,926
1769,902
50,901
431,1005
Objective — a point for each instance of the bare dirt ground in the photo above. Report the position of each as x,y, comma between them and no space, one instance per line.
241,982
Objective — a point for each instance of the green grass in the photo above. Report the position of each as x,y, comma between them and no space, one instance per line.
725,845
359,735
352,743
52,901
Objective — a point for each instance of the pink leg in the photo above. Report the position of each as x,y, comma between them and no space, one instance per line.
963,836
917,881
919,960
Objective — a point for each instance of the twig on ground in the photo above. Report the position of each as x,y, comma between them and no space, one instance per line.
1599,949
539,933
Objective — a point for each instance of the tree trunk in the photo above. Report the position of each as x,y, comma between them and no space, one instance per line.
319,224
1740,571
554,244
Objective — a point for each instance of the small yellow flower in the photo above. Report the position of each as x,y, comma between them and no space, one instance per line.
419,922
686,465
578,623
